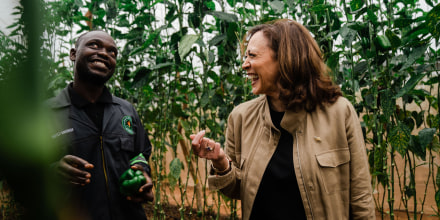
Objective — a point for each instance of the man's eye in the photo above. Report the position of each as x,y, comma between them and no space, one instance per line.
93,45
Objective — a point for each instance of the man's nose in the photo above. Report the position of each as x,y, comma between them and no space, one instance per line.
103,53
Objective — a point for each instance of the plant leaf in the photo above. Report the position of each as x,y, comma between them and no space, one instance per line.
277,6
185,44
426,135
412,82
414,55
400,137
224,16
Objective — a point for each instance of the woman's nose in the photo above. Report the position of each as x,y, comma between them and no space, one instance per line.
245,64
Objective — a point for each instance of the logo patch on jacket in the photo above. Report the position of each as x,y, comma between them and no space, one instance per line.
127,124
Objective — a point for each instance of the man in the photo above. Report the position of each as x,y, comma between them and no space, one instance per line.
102,134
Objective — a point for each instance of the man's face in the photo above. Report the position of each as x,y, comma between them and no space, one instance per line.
94,57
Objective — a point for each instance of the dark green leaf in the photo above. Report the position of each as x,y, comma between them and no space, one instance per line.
425,136
360,67
433,21
387,103
356,5
399,138
437,181
217,39
412,82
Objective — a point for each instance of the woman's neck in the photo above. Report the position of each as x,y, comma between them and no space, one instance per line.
276,104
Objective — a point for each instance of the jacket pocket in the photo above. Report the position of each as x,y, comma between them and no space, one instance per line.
127,143
334,169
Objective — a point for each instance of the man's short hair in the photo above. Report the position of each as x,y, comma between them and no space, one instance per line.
83,34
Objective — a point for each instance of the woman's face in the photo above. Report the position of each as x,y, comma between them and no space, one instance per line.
261,66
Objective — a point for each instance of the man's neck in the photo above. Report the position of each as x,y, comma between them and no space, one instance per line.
88,91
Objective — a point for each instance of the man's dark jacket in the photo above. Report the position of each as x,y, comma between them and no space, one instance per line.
122,138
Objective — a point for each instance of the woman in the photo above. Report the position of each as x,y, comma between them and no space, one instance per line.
297,151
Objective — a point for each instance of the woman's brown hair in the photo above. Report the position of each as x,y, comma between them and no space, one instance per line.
304,80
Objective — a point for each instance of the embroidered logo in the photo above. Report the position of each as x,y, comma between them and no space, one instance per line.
127,124
69,130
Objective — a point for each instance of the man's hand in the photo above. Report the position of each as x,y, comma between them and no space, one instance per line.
72,169
145,193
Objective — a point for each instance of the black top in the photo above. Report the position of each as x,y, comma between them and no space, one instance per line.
95,111
278,196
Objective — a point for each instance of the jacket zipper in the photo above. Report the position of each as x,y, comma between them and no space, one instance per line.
104,167
300,170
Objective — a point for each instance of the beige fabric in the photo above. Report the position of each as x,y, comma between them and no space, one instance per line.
328,152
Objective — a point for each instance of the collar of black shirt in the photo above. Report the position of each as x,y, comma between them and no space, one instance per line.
80,102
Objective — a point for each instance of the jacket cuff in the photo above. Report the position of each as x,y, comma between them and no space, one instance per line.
219,182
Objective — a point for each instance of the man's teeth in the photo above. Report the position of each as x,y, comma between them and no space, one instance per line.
99,63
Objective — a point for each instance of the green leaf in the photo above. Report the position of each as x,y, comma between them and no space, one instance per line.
387,103
224,16
175,169
161,65
217,39
416,148
399,138
437,181
412,82
393,38
437,195
210,5
320,8
360,67
426,136
277,6
356,5
347,35
185,44
433,21
372,16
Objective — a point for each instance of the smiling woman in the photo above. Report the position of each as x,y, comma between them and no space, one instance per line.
299,145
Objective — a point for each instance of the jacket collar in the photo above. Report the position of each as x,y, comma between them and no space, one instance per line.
63,99
291,122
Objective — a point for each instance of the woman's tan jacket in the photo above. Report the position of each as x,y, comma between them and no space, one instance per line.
329,157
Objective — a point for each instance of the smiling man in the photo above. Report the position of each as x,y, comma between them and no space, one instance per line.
101,137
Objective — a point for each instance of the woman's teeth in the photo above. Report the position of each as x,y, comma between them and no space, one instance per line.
253,77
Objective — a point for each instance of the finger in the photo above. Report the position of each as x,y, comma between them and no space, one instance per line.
198,137
137,167
77,162
192,136
70,172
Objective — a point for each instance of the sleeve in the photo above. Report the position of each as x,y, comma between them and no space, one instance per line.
361,197
229,184
142,143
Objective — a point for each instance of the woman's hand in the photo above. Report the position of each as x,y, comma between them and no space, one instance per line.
209,149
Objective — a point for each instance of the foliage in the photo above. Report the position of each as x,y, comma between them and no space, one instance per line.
180,62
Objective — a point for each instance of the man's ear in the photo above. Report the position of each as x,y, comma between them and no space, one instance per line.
73,54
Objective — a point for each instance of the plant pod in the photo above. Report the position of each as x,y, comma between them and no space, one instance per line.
130,182
383,42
